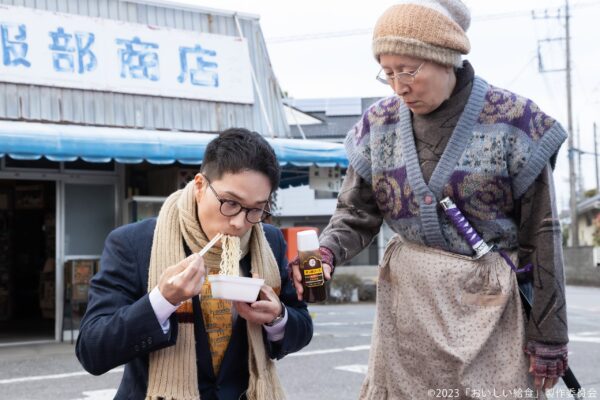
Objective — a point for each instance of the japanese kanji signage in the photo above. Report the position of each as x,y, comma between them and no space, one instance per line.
53,49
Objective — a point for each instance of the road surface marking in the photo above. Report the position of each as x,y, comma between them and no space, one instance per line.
329,351
27,343
589,333
83,373
341,335
586,339
106,394
584,308
339,313
342,323
55,376
357,368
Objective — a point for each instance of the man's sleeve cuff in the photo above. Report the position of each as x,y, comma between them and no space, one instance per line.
162,308
276,332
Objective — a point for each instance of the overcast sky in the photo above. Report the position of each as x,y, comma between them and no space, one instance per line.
504,41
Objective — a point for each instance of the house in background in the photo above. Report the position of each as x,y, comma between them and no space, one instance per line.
337,116
588,214
582,263
326,119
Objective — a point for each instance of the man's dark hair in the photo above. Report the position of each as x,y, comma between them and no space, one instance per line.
236,150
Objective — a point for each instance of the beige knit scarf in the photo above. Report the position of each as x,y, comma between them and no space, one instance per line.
172,373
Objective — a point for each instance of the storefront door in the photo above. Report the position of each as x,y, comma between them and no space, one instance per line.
53,216
88,216
27,260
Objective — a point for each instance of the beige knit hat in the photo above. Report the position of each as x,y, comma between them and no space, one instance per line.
429,29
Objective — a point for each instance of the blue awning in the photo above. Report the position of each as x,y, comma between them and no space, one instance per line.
31,141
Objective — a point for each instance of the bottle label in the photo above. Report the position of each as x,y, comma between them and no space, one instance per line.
313,272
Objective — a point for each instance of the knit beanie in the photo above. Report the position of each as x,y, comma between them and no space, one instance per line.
432,30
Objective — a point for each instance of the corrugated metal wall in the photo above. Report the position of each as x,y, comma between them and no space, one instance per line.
39,103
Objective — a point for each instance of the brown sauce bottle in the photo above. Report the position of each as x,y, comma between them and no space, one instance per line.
311,267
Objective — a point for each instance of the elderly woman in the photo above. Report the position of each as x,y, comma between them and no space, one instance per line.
446,320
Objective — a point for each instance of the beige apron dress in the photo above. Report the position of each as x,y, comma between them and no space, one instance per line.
446,322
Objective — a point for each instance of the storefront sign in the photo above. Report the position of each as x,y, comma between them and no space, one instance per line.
65,50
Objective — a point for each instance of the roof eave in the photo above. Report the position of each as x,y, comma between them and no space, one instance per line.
191,7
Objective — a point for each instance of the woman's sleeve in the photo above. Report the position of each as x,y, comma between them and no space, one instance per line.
356,220
540,243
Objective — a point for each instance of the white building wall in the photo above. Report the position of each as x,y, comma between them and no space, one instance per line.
300,202
586,229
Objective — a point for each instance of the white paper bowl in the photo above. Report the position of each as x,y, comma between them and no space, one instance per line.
236,288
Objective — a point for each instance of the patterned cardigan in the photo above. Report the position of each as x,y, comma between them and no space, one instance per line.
496,166
501,143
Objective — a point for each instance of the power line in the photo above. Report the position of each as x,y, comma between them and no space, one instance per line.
365,31
322,35
548,85
518,75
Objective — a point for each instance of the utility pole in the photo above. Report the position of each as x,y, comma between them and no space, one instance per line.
572,177
580,183
596,160
571,150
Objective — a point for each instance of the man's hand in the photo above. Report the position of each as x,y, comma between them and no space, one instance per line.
182,281
264,310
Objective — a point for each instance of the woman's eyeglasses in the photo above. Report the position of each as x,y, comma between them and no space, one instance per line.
405,78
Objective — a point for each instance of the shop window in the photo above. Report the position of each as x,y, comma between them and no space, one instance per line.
151,180
78,273
42,163
88,166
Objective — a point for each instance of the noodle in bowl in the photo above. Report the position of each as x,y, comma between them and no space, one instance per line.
228,284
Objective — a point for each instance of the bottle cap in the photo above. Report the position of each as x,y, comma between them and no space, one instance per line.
308,240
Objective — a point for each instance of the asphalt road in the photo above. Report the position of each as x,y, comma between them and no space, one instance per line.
332,367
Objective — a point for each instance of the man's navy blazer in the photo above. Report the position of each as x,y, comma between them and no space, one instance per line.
120,327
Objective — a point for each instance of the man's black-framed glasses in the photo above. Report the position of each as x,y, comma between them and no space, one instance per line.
231,208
